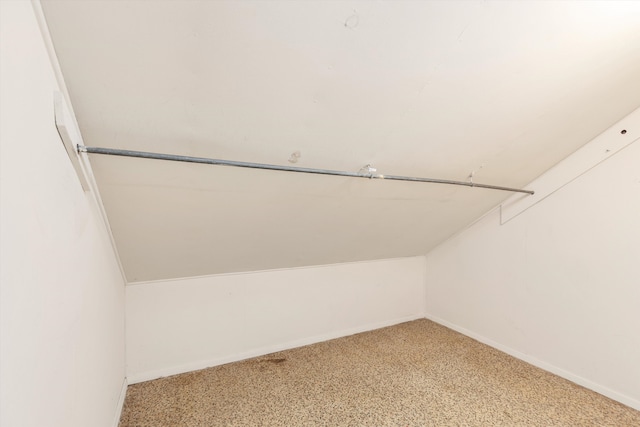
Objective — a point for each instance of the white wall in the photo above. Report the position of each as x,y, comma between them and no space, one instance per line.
558,285
181,325
62,293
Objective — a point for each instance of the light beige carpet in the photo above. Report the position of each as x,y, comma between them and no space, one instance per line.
413,374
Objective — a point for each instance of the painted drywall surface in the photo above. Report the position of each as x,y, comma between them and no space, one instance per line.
558,285
421,88
62,294
181,325
176,220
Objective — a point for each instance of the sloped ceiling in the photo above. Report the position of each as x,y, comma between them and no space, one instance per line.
434,89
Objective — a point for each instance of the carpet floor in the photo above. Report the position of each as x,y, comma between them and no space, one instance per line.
413,374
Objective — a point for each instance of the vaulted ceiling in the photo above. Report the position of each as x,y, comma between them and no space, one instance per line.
440,89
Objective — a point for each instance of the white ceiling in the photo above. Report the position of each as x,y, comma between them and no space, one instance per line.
435,89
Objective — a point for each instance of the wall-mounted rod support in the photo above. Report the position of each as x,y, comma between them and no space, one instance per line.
207,161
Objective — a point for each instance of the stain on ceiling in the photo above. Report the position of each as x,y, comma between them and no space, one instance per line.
438,89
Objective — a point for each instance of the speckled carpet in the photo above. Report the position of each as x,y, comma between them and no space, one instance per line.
413,374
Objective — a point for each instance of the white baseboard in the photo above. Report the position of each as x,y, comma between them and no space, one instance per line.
261,351
120,404
598,388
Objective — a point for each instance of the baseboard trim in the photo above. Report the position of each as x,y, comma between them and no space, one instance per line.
120,404
261,351
598,388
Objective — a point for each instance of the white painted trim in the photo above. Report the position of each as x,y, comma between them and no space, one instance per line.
83,160
261,351
120,404
103,214
53,58
590,155
547,184
65,117
625,400
69,134
236,273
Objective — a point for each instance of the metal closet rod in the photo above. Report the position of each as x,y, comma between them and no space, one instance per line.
207,161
